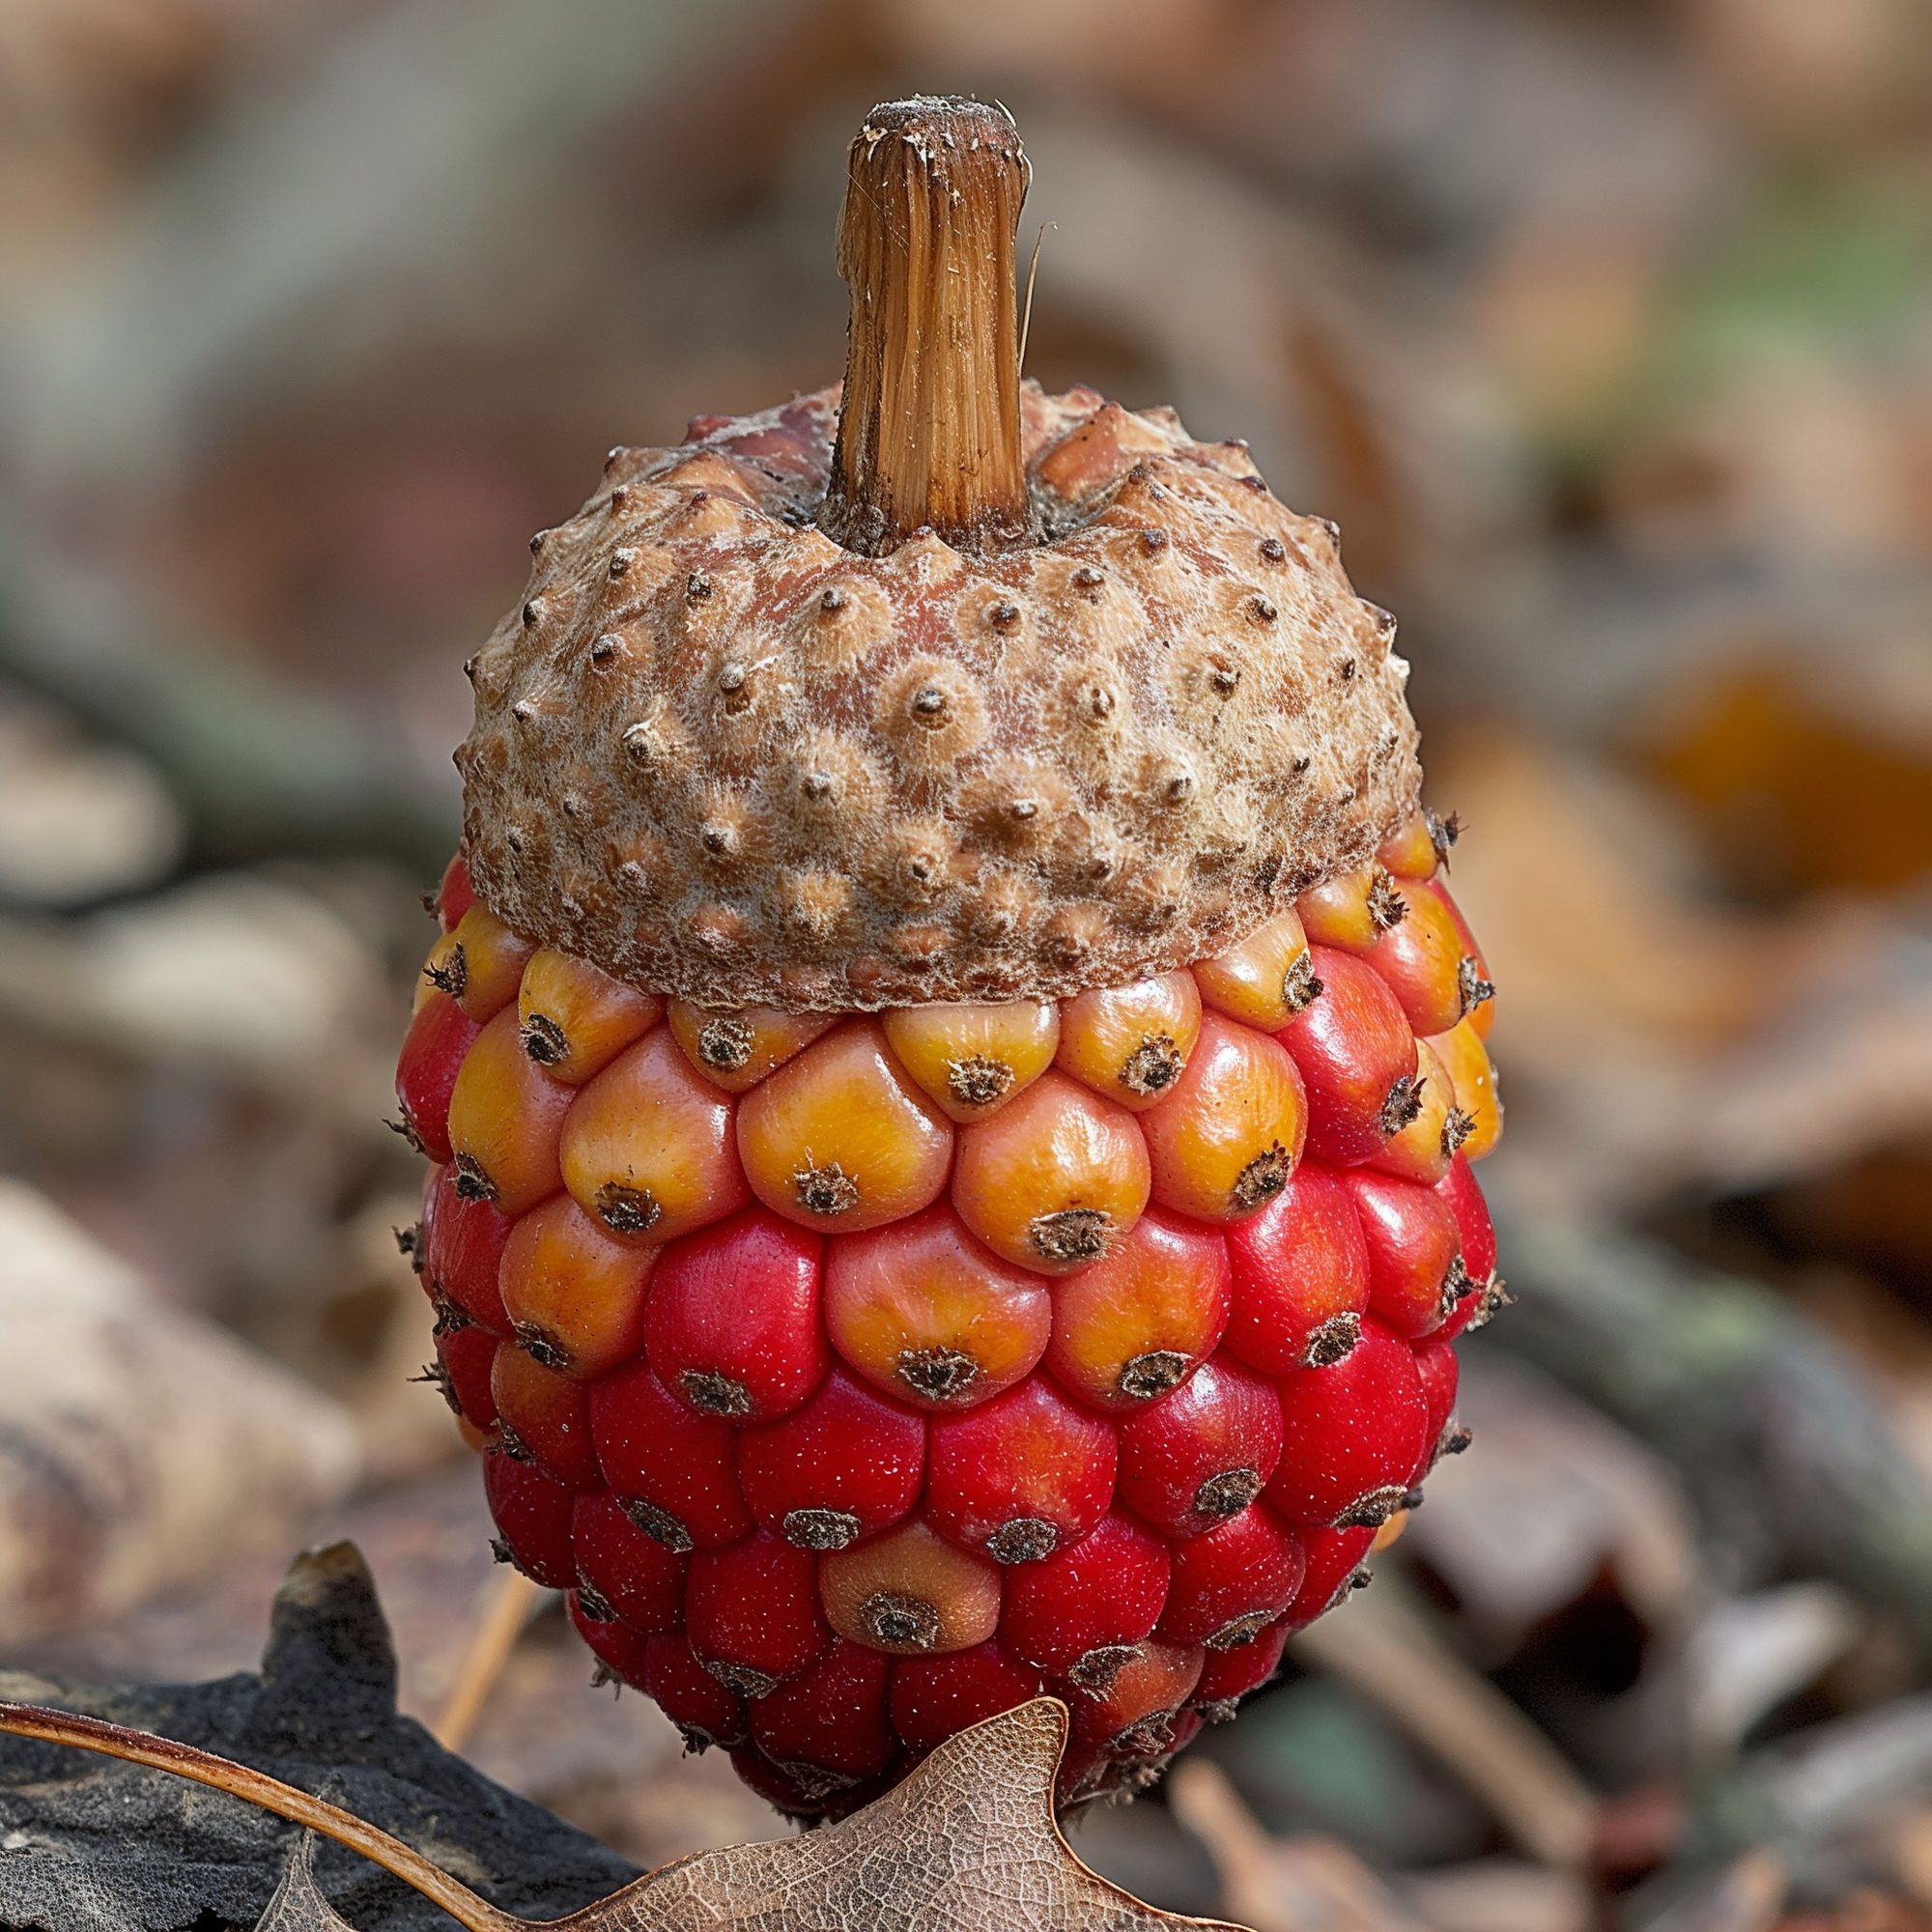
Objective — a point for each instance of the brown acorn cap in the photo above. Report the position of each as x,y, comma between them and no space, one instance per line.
976,693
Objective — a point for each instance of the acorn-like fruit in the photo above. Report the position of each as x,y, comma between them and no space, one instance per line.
952,1066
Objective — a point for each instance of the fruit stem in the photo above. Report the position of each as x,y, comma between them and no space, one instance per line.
929,430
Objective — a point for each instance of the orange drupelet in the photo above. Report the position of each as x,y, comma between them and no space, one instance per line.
1033,1202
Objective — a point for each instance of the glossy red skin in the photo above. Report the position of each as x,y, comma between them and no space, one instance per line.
740,1302
1161,1248
1030,1455
620,1649
1435,1363
454,894
1150,1693
834,1718
439,1038
1351,1044
652,1448
847,1451
1107,1589
1418,960
1148,1577
635,1574
1349,1429
1247,1666
1413,1246
1331,1557
934,1696
804,1798
1299,1262
691,1697
468,1352
1460,1188
549,1414
462,1251
1221,1425
533,1511
755,1607
1248,1565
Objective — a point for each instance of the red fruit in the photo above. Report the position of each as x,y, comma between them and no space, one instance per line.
829,1729
1465,1196
479,964
454,894
532,1508
574,1019
909,1591
1353,1434
648,1147
924,1313
934,1696
440,1036
1225,1138
1203,1453
1230,1674
1478,992
733,1324
505,1117
845,1465
1134,1716
576,1296
1231,1583
1300,1276
1416,1275
691,1697
1479,1254
1356,1057
751,1613
807,1799
1435,1363
672,1468
622,1569
1420,959
1130,1042
546,1414
840,1139
1020,1475
1332,1569
618,1649
465,1354
1055,1179
461,1249
1083,1611
1136,1324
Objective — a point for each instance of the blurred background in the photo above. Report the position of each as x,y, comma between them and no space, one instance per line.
1606,333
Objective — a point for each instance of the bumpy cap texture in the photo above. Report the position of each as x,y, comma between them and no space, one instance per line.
724,758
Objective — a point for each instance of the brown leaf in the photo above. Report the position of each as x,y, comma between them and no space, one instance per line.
968,1841
299,1905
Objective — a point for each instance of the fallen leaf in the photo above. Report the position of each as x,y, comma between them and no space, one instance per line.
147,1446
100,1846
299,1905
969,1839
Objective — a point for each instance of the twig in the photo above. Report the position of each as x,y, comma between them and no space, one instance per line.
256,1787
512,1600
1390,1658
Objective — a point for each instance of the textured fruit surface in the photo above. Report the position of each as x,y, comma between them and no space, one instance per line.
862,1377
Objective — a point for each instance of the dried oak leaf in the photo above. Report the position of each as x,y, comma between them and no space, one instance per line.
967,1842
91,1845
